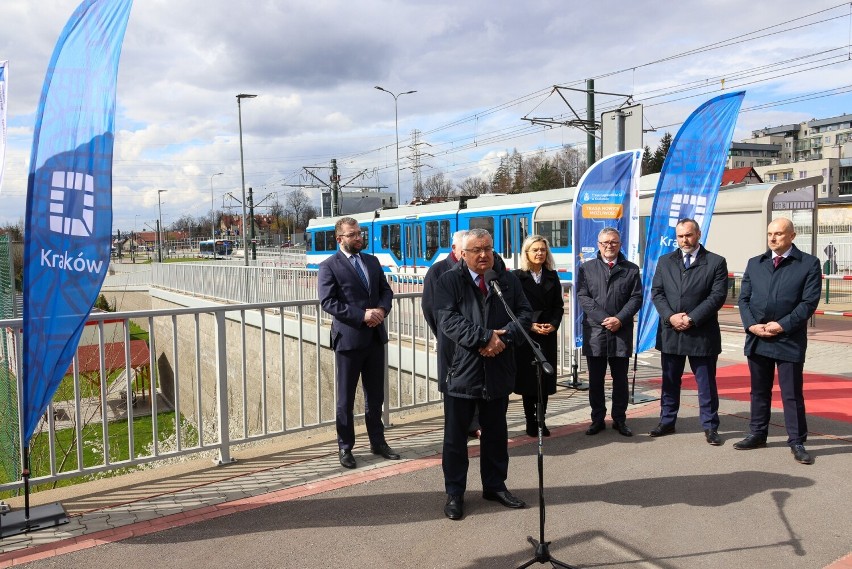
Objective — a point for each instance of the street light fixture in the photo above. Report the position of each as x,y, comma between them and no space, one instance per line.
396,122
240,97
213,214
160,232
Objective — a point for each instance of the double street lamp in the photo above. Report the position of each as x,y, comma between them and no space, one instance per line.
396,122
213,214
240,97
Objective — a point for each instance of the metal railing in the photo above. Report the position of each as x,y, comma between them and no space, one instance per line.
213,377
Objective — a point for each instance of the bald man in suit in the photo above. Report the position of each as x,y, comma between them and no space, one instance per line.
780,291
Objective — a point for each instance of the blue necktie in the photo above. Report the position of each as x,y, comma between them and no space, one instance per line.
360,271
687,260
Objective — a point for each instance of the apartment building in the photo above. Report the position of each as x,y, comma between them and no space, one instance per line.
819,147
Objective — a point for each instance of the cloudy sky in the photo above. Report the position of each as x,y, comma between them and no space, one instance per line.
478,67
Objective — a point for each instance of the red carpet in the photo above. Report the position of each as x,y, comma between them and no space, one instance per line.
827,396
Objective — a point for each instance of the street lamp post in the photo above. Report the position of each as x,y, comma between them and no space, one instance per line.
396,122
240,97
160,232
213,214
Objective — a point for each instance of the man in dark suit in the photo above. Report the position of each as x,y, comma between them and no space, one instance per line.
353,289
780,291
688,290
610,291
434,273
476,368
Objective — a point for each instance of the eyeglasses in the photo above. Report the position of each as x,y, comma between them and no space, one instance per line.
609,243
479,250
538,250
350,235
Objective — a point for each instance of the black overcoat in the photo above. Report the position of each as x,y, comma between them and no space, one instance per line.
604,292
788,295
548,306
700,291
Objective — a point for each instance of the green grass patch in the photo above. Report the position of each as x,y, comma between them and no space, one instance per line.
137,332
93,447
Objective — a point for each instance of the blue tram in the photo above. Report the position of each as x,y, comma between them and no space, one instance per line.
409,239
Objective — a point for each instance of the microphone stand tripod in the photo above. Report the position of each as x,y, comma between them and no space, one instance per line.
542,547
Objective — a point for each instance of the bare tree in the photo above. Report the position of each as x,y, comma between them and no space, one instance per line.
472,186
437,186
298,207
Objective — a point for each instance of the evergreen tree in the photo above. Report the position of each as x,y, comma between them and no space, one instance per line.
662,150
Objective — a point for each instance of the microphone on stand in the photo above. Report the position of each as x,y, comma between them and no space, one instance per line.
491,277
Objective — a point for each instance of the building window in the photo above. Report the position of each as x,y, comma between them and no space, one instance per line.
802,174
788,176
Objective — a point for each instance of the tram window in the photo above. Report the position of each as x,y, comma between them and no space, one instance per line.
385,241
557,232
507,238
396,241
409,244
486,223
445,234
330,241
309,244
523,230
319,243
431,239
365,236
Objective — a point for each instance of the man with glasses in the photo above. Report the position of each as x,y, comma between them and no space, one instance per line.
689,288
609,290
476,368
354,291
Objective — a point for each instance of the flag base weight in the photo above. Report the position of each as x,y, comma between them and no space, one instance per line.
641,398
41,517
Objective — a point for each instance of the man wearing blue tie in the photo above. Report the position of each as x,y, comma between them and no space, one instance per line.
689,288
354,291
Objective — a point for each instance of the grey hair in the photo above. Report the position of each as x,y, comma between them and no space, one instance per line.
477,233
607,230
458,237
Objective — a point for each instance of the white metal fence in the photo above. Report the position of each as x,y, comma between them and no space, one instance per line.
213,377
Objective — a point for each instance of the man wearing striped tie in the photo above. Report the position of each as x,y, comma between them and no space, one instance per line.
354,291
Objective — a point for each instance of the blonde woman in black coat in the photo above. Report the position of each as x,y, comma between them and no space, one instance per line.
543,290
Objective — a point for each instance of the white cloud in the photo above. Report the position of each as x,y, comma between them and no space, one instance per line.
477,66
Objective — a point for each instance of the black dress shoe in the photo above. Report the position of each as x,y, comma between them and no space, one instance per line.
622,428
385,451
800,455
662,430
346,459
505,497
545,432
750,442
712,437
454,508
595,428
532,429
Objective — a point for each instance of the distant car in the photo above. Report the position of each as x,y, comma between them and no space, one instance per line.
287,243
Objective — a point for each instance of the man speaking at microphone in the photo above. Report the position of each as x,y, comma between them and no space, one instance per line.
476,367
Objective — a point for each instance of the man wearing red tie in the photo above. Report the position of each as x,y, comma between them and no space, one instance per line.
780,292
610,291
476,368
353,289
